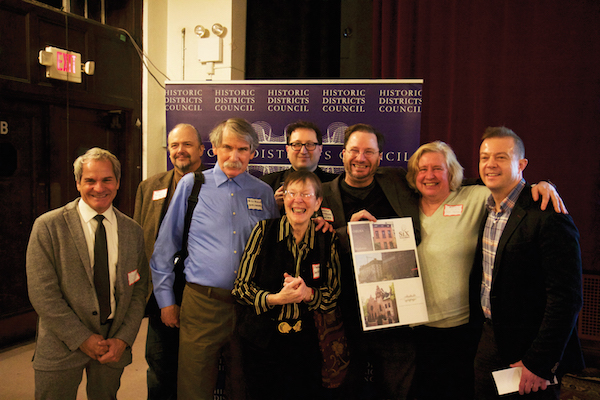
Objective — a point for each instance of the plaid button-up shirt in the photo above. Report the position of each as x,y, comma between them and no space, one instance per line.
494,226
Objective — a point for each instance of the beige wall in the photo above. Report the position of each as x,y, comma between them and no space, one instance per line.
172,46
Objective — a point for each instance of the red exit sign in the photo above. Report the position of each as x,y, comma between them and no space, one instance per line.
61,64
66,62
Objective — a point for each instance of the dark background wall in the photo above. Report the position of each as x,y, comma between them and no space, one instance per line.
45,124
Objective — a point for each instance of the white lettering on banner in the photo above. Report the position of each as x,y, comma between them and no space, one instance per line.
3,127
344,100
183,107
287,92
270,153
297,108
234,107
185,92
234,92
396,156
344,109
400,109
400,100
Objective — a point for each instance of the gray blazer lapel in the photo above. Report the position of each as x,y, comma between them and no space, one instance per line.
73,221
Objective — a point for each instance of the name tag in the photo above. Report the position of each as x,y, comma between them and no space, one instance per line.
327,214
316,271
453,210
133,277
159,194
254,204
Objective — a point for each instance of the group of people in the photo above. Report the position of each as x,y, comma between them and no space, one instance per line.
501,275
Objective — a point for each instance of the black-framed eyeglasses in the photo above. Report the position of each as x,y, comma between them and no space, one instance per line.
297,146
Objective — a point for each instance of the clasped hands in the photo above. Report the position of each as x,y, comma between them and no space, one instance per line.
103,350
294,290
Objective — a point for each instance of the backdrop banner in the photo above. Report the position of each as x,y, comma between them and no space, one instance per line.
392,106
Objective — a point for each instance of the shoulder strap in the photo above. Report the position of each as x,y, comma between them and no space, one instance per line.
192,201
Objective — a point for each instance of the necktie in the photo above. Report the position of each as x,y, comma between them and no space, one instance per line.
101,277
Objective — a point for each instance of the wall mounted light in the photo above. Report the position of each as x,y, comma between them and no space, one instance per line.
200,31
219,30
210,48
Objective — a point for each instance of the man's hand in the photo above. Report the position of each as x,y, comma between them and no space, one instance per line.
530,382
170,316
548,192
116,347
321,223
94,346
362,215
279,195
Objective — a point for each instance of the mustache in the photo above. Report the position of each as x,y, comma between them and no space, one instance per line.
232,164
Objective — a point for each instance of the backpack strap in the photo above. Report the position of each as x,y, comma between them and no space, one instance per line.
192,201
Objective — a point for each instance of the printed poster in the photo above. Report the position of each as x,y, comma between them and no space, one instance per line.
386,267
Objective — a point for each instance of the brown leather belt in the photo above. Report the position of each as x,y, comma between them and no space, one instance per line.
212,292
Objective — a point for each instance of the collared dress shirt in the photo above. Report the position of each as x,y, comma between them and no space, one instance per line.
222,221
494,226
89,224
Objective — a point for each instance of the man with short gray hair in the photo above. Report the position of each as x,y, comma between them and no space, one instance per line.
87,279
230,203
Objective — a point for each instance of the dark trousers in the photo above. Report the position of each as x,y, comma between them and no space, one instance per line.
288,368
444,362
382,365
488,360
162,347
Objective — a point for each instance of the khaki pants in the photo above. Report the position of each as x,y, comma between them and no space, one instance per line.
207,323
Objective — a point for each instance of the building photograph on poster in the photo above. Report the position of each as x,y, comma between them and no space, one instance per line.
389,285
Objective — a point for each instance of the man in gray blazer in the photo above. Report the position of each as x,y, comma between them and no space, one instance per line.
151,203
83,324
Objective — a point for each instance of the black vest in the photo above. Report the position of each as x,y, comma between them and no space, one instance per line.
272,262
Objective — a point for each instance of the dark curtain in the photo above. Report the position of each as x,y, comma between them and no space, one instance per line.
293,39
533,66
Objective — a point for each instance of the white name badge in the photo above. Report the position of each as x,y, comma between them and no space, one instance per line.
316,271
133,277
159,194
453,210
327,214
254,204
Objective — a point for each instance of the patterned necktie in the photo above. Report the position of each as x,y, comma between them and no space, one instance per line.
101,278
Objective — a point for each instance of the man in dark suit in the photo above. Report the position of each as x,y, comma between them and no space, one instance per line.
87,278
525,286
151,203
366,192
304,144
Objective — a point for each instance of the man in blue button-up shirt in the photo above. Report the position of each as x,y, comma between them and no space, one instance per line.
230,203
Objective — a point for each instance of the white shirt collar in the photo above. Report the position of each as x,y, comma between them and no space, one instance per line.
87,212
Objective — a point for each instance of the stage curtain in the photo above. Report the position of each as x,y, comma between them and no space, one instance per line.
533,66
299,39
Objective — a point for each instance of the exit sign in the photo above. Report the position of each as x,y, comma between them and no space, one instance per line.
61,64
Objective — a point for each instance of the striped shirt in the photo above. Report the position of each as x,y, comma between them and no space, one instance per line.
325,297
494,226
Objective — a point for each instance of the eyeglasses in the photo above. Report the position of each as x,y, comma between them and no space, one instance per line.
293,195
297,146
367,153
